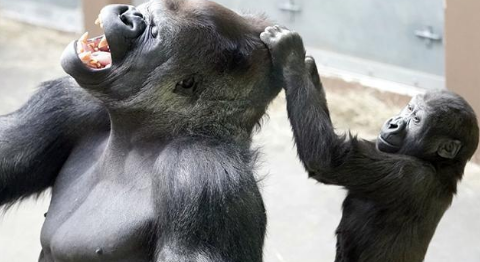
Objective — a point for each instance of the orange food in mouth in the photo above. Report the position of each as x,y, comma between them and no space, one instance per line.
94,52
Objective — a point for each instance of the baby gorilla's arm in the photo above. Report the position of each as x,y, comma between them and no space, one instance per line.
331,159
36,140
318,145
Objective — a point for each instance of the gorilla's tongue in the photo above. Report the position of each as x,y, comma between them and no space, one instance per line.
94,52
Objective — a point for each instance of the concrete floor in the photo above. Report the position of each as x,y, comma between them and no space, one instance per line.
302,214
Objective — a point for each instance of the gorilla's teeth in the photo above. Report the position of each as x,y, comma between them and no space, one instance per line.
103,43
85,56
83,38
98,21
80,49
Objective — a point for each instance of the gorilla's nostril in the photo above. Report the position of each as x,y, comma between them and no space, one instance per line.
393,125
124,19
122,9
136,13
130,17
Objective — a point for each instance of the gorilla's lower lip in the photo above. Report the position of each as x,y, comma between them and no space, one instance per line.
73,66
385,146
386,142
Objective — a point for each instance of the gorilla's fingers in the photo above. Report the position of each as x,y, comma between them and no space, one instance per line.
312,70
278,28
266,38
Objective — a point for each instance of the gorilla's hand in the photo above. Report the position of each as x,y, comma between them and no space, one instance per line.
312,71
286,48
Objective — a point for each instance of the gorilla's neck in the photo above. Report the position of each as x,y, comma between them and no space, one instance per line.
133,128
137,128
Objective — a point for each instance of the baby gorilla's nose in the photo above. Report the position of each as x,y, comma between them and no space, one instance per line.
396,124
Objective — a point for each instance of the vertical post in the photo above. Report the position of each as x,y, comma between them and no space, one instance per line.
91,9
462,51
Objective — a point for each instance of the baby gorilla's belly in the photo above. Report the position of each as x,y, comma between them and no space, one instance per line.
112,223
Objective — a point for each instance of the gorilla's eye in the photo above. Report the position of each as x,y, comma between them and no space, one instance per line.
154,31
410,108
416,119
186,87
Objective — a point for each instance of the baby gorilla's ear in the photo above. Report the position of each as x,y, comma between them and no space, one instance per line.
188,86
449,148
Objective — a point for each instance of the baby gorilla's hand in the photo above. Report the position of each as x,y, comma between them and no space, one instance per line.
286,48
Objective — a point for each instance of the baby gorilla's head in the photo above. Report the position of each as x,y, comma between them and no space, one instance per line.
439,127
187,66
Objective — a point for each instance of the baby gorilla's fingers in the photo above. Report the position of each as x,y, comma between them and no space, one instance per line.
266,37
310,65
273,33
273,29
286,48
312,70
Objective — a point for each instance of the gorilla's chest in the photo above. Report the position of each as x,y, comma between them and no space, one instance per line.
95,216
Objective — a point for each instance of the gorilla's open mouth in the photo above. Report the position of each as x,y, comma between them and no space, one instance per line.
92,60
94,52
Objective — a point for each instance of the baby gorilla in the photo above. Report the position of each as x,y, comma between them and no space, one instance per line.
147,145
400,186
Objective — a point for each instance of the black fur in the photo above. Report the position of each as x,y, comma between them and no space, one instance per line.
211,181
36,140
394,201
149,160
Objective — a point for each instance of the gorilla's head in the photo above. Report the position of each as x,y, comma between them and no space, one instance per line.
439,127
180,66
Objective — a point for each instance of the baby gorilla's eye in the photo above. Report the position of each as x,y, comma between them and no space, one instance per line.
410,108
416,119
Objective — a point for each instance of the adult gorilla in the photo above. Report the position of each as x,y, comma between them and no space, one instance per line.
400,186
150,157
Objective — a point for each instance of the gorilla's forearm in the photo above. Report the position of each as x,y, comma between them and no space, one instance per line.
36,140
318,145
319,148
328,157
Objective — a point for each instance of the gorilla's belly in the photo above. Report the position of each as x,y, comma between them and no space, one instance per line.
95,219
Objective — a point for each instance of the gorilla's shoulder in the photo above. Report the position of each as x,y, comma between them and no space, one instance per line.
63,82
66,91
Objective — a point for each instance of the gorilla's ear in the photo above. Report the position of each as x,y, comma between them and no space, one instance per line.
188,86
449,148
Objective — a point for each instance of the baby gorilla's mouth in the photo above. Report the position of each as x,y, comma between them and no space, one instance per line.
94,52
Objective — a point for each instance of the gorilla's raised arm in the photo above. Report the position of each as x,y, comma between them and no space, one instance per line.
36,140
328,157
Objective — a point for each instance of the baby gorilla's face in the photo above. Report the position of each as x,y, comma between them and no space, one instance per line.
434,126
405,128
